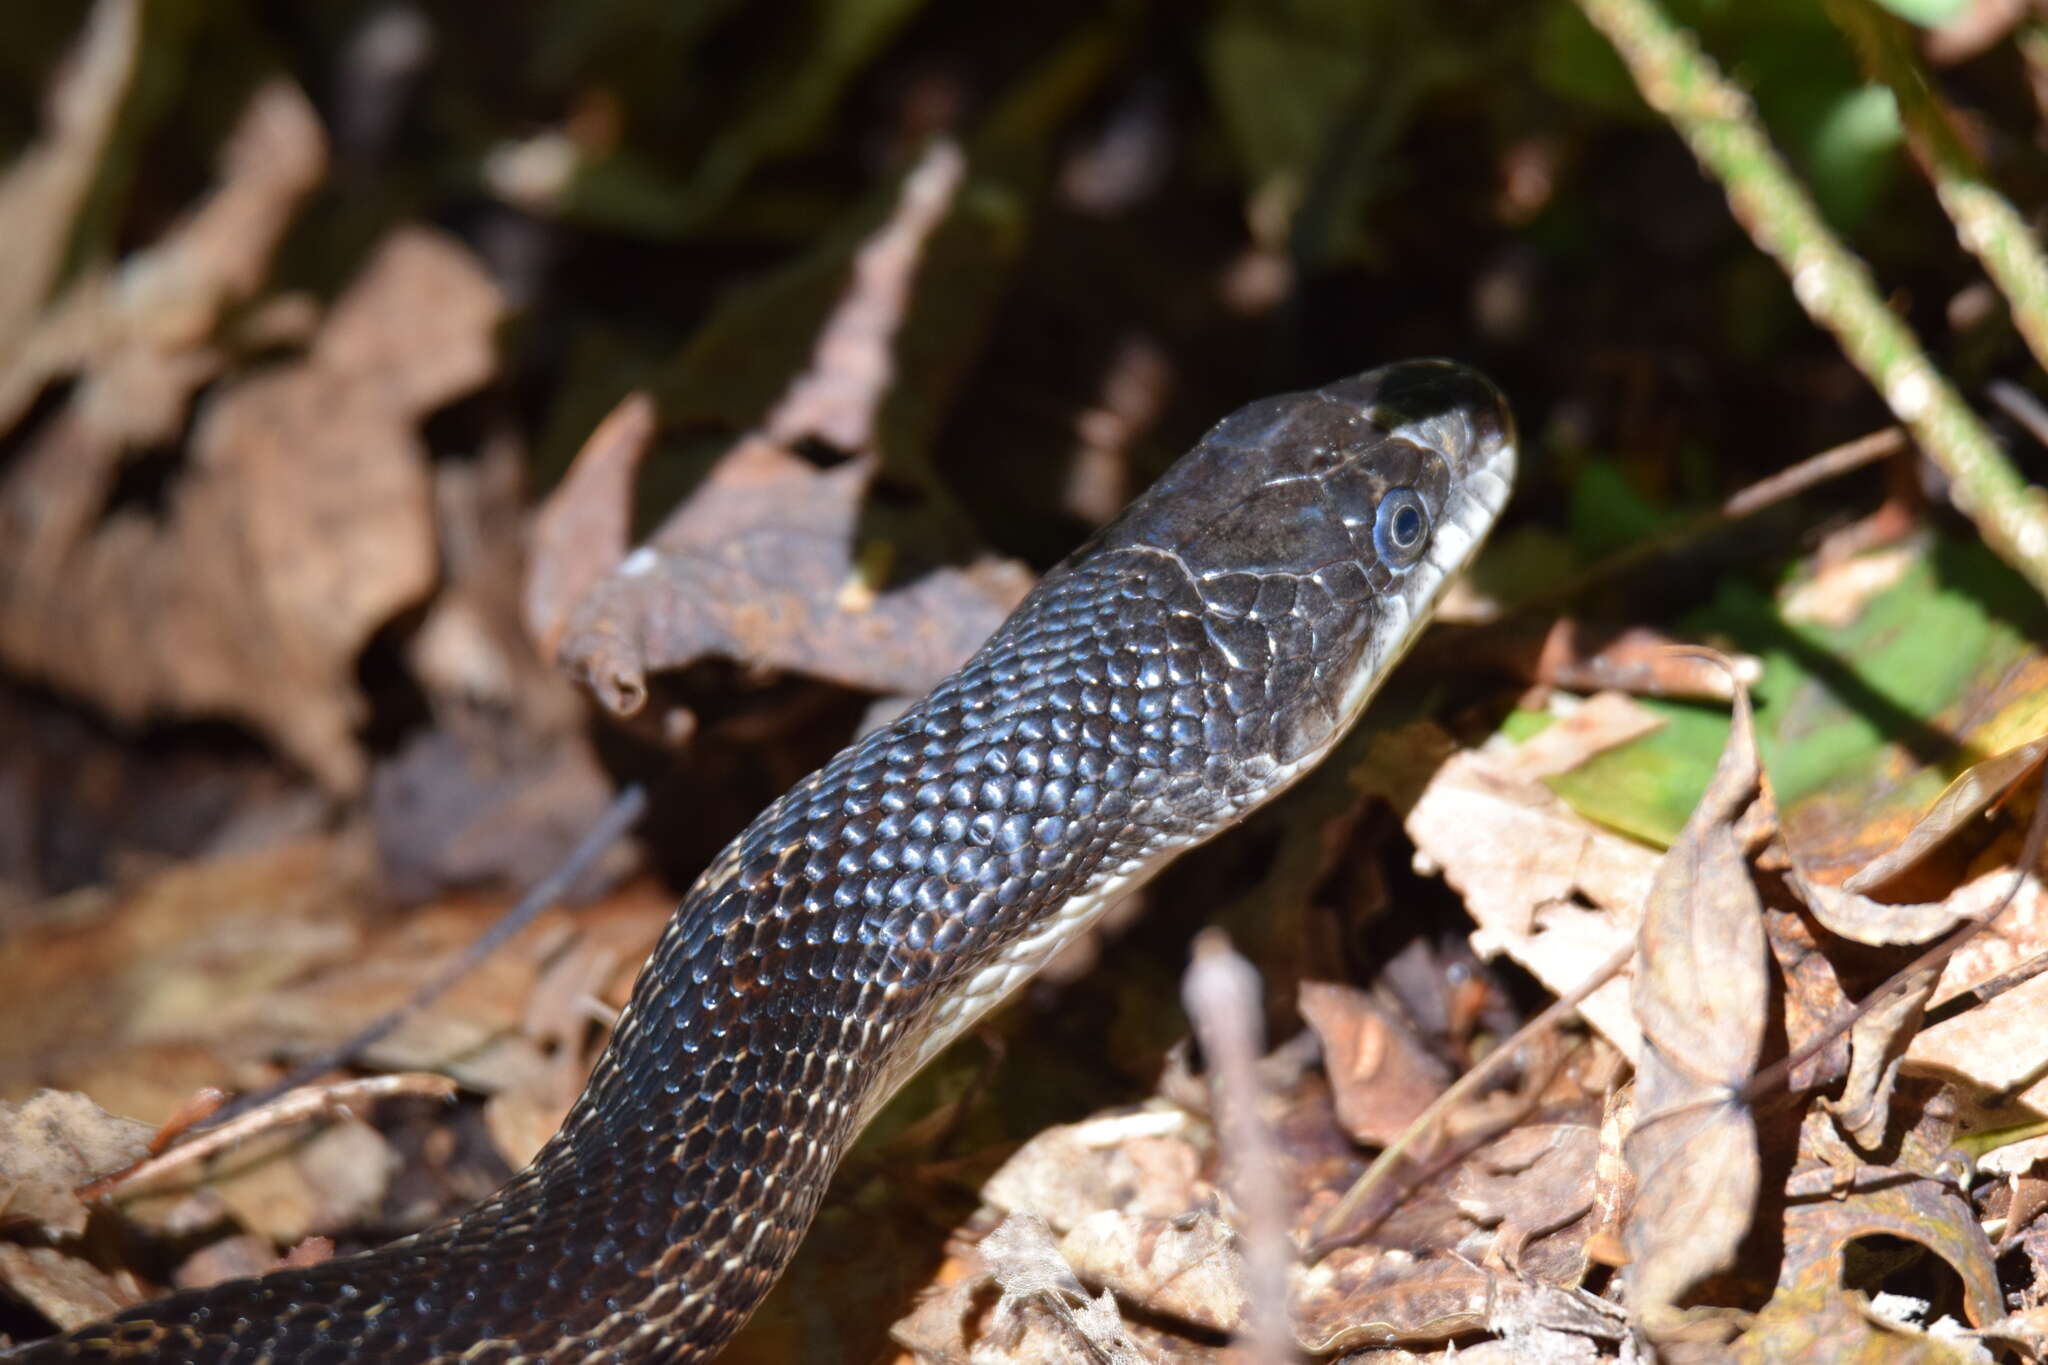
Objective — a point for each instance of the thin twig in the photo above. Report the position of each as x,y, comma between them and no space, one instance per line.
1984,992
2021,406
1789,482
1718,122
611,826
1812,471
296,1106
1222,996
1335,1224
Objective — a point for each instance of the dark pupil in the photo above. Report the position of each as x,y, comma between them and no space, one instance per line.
1407,526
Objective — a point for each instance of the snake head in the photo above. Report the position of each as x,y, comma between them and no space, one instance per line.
1318,531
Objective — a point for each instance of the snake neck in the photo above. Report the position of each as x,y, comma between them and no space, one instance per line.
858,924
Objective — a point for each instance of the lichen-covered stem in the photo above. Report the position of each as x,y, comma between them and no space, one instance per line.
1719,124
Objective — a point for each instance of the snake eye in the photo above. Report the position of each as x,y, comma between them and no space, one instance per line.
1400,528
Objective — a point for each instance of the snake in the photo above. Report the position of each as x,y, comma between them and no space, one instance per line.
1181,668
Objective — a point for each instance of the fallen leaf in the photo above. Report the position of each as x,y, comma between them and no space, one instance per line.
1549,888
1699,990
1188,1269
304,519
580,531
1877,1047
68,1290
756,566
506,781
1363,1297
1965,798
1381,1074
51,1144
42,191
1143,1162
763,563
1813,1317
1041,1312
329,1180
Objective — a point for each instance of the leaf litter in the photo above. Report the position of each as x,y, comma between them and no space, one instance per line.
1621,1187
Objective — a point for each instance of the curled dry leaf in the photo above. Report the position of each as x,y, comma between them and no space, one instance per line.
52,1143
1877,1048
761,565
1865,919
1812,1312
1381,1075
1699,993
1188,1269
1042,1315
1965,798
1637,660
303,520
1548,887
41,193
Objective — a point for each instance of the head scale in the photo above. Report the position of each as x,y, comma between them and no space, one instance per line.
1319,530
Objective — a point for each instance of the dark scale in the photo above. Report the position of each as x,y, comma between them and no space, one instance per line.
1173,673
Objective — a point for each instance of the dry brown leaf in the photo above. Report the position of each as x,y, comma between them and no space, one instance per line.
1699,990
1999,1045
205,972
51,1144
138,343
506,781
760,565
1531,1181
1965,798
1812,1317
304,521
1381,1075
1637,660
580,532
301,1183
66,1289
228,1259
1549,888
1363,1296
41,192
1189,1269
1143,1162
1877,1048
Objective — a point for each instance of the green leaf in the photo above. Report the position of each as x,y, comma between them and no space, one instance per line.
1926,13
1862,722
1852,151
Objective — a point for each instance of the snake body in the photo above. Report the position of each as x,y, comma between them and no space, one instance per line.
1179,669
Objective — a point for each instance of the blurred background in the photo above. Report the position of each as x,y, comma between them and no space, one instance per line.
306,312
